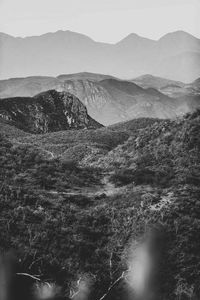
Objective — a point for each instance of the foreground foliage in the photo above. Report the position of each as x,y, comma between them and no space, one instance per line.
65,237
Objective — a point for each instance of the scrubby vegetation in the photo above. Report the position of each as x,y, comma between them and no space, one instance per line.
66,237
8,130
134,125
75,144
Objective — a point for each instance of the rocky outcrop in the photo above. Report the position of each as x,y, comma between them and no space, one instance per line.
47,112
111,100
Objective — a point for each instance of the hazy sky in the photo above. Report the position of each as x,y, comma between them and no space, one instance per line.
102,20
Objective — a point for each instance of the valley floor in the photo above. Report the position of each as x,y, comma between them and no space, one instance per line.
104,188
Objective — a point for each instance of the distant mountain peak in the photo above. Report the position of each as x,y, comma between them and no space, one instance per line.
60,35
179,34
69,32
145,76
133,38
132,35
67,51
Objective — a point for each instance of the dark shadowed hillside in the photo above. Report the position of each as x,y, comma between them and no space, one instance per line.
46,112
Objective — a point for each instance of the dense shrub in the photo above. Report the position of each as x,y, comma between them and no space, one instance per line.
66,237
122,177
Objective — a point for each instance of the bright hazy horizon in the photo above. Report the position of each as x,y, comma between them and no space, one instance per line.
103,20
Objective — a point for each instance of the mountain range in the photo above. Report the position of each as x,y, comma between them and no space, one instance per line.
111,100
88,197
175,56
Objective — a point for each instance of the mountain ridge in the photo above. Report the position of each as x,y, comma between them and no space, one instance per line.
69,52
180,32
110,100
47,112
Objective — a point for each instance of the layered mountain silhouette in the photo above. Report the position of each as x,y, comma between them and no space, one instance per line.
159,83
168,87
110,100
175,56
47,112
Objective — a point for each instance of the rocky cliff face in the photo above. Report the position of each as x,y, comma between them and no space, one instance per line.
97,99
110,101
47,112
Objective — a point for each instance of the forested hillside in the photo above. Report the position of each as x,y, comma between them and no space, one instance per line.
69,238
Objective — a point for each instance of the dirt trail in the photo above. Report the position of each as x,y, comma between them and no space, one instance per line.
109,187
106,187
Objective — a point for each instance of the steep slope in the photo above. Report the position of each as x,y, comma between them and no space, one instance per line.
30,86
46,112
69,52
97,99
110,100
